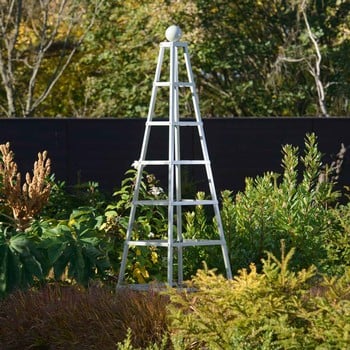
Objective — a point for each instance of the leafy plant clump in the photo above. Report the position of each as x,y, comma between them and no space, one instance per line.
76,247
20,203
145,263
275,309
296,206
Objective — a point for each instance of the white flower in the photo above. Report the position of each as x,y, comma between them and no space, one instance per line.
151,235
156,191
136,164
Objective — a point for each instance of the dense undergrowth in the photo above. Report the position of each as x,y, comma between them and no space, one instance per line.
274,309
70,317
289,244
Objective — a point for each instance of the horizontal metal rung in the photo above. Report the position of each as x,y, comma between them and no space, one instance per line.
179,203
154,162
191,162
197,242
167,123
176,84
175,162
158,123
184,84
161,83
151,202
195,202
166,243
153,242
173,43
188,123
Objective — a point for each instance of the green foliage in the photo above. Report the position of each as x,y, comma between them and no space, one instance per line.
64,199
329,325
127,344
80,234
63,239
200,224
111,72
76,247
337,240
133,28
114,72
276,309
283,232
151,222
19,260
293,206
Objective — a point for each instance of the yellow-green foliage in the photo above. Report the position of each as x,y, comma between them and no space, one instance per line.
330,323
275,309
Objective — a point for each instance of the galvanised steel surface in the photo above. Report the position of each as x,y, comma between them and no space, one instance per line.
175,201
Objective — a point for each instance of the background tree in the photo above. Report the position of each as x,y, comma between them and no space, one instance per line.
236,48
119,56
38,40
243,42
319,35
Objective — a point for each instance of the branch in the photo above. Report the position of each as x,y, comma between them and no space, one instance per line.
315,70
64,60
44,45
6,58
281,58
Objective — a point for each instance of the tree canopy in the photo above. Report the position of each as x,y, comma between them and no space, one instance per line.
250,57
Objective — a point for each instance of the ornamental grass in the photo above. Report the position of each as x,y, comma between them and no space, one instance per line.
70,317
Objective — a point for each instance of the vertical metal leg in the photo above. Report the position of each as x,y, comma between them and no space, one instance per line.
130,226
171,184
209,173
140,169
178,185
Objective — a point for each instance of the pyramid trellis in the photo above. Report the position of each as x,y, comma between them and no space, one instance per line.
174,201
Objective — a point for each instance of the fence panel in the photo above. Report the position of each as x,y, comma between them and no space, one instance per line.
102,150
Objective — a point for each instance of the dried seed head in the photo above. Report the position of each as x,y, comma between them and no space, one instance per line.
28,200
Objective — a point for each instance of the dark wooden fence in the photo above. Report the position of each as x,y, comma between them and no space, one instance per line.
102,150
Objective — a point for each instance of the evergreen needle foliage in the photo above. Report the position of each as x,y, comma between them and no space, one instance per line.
274,309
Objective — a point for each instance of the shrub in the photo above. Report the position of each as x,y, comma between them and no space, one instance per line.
149,263
144,263
20,263
20,258
275,309
64,199
337,240
329,324
75,247
293,206
69,317
200,223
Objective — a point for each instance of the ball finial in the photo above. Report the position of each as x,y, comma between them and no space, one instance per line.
173,33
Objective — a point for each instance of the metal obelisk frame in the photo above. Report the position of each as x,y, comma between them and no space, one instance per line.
174,201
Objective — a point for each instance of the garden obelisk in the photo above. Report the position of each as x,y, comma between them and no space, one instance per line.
174,200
